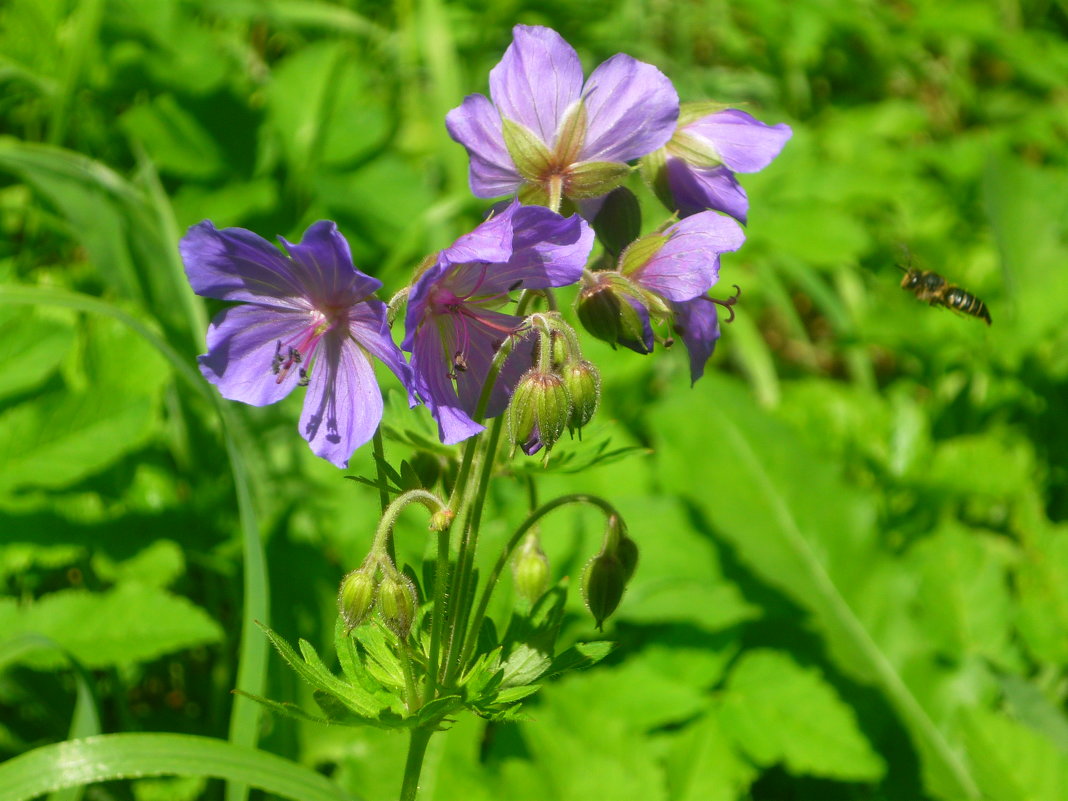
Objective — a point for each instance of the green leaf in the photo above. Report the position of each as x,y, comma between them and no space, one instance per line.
36,342
123,756
1013,762
131,623
701,764
157,565
778,711
176,141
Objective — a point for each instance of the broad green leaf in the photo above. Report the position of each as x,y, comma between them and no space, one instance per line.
1013,762
158,565
34,341
702,764
964,602
777,711
174,138
133,623
124,756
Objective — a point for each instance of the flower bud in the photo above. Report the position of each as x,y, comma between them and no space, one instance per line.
538,412
603,581
441,519
397,601
583,382
599,311
608,307
627,554
531,570
356,598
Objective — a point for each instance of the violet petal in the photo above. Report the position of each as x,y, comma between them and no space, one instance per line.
632,109
476,125
744,143
322,262
688,263
697,324
698,189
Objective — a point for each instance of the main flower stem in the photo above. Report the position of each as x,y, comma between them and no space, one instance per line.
413,765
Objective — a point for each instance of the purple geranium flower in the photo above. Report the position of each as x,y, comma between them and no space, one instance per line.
699,162
547,129
452,323
308,318
665,277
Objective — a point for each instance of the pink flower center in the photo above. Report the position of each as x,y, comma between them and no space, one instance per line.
299,350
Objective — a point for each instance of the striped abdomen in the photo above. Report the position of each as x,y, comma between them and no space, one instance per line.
956,298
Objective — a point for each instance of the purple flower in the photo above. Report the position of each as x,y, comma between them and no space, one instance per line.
308,317
695,171
549,131
452,323
664,277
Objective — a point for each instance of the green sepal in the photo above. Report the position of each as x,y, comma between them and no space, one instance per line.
571,134
588,179
619,222
694,150
653,169
692,112
640,251
533,195
529,154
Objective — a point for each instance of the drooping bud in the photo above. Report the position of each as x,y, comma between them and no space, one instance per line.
619,221
603,582
397,601
538,412
583,382
608,307
531,570
356,598
441,519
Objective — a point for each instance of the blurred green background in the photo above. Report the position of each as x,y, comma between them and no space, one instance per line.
854,576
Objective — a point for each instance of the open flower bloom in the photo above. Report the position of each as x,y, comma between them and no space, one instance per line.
551,134
664,278
695,170
453,328
306,317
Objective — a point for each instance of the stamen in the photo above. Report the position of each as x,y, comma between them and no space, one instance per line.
459,362
728,304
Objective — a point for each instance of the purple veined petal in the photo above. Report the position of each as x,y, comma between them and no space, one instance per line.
744,143
369,327
323,263
537,79
236,264
645,345
476,125
484,335
696,190
688,263
697,324
548,250
632,109
419,301
430,373
489,242
344,405
242,343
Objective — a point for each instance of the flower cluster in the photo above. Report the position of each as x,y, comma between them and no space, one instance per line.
554,140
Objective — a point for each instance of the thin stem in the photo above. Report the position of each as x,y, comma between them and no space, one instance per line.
379,452
389,517
413,765
517,537
441,576
413,701
465,570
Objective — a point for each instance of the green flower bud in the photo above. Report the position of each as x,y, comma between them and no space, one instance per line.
603,581
583,382
356,598
538,412
627,554
604,308
598,309
531,570
397,601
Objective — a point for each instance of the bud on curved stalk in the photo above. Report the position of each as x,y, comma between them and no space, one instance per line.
356,598
615,310
583,382
603,582
531,570
397,601
538,412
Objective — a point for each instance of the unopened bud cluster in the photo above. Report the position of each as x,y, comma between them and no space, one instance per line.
561,392
377,584
606,575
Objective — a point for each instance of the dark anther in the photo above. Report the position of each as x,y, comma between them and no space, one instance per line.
459,362
516,285
669,341
728,304
304,378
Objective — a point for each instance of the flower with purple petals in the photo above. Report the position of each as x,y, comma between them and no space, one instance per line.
306,317
551,135
664,277
695,170
453,324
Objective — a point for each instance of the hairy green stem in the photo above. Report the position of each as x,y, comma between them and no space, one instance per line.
379,452
389,517
413,765
510,546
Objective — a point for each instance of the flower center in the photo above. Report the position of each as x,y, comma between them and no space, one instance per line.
299,350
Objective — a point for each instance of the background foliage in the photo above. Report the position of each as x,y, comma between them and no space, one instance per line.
854,576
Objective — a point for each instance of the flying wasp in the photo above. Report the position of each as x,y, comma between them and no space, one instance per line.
933,288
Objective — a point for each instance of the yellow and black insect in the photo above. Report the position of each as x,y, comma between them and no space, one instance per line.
931,287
